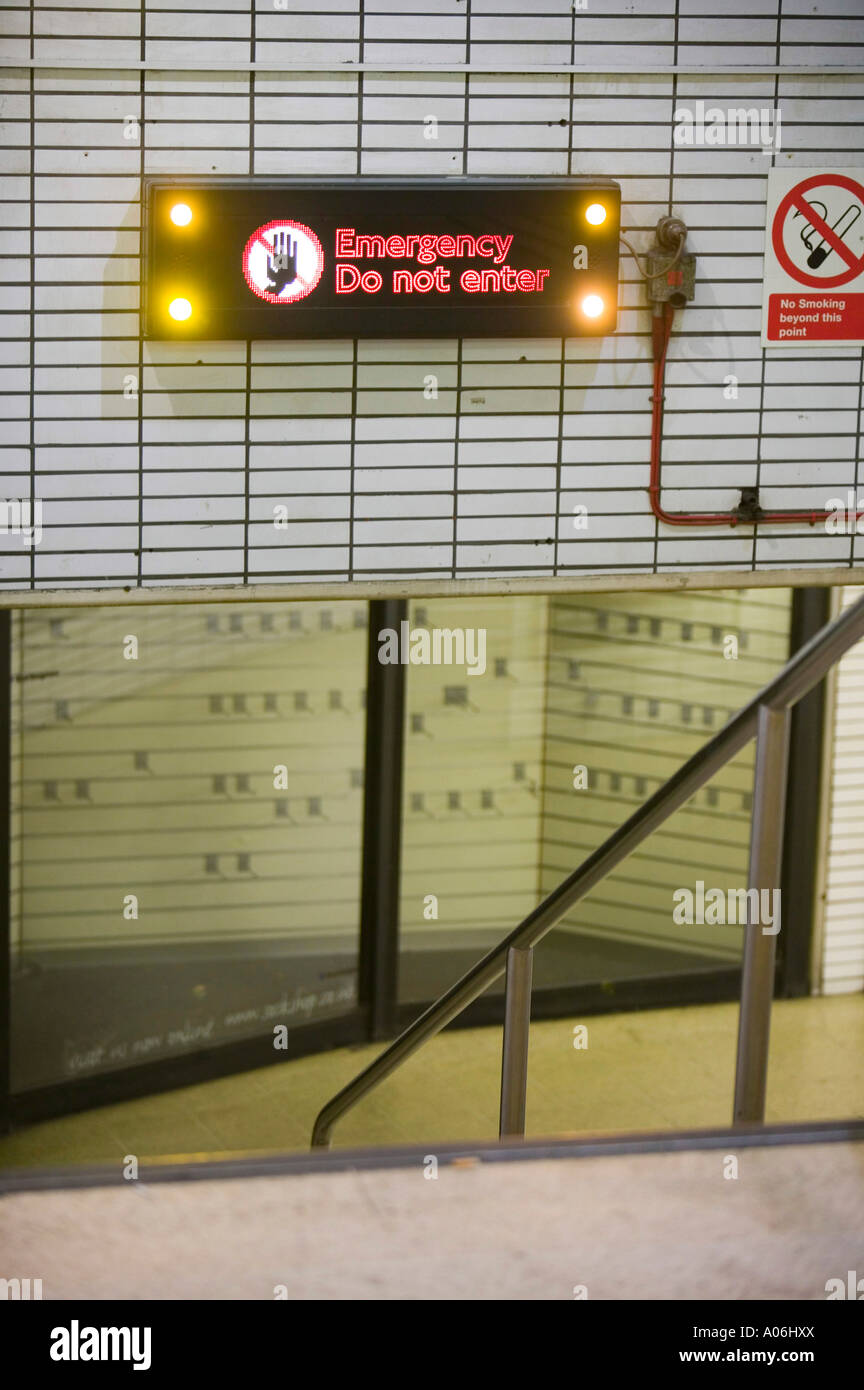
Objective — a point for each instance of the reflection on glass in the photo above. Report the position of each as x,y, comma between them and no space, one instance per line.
188,820
588,704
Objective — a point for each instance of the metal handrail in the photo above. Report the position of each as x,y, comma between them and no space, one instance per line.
767,714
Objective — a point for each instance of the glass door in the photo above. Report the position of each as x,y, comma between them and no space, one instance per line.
586,704
187,816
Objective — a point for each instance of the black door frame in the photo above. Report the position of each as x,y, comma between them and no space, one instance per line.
5,868
382,825
811,610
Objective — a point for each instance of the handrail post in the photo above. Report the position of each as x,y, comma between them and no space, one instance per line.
760,939
514,1053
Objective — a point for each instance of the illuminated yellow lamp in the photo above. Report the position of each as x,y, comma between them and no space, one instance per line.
592,306
180,309
595,213
181,214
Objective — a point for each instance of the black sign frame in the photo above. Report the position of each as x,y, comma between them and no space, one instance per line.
229,309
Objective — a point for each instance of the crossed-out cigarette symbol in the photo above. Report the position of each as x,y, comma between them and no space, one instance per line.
821,251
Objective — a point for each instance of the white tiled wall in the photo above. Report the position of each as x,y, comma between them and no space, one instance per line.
175,483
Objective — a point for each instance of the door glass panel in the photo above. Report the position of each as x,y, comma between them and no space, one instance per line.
588,703
473,789
637,684
187,829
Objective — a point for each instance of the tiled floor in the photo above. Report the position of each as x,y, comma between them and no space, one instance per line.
663,1069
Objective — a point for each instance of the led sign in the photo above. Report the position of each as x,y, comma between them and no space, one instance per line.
251,258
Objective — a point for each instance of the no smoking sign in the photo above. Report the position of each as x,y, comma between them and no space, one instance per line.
814,258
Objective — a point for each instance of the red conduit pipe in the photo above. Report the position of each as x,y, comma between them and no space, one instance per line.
661,329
